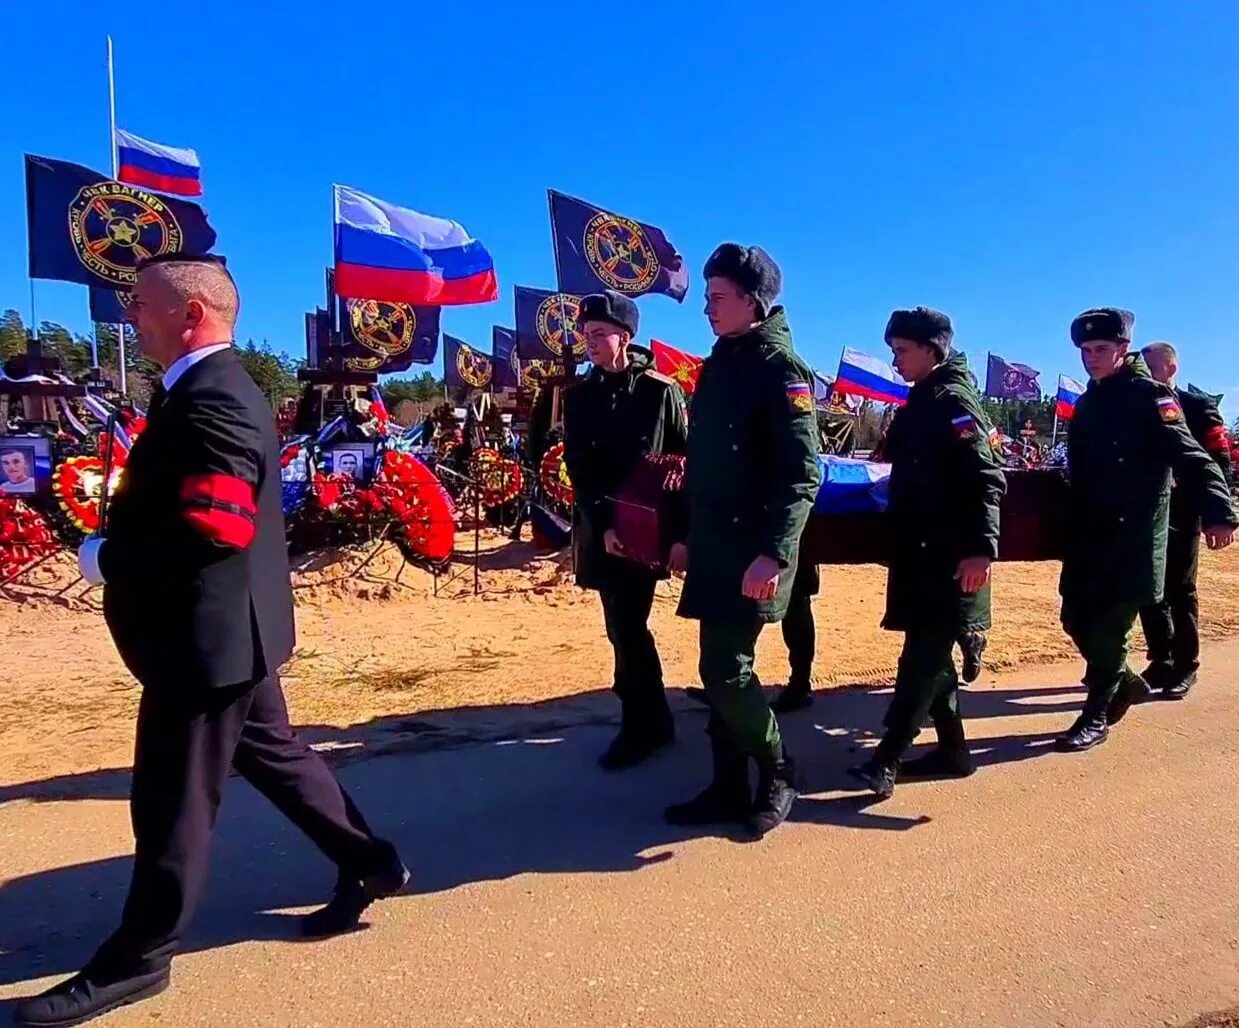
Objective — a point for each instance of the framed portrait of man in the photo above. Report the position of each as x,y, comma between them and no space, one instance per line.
351,460
25,465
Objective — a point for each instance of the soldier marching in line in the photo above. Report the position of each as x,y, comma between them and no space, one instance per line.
751,478
1126,437
946,485
1171,627
622,410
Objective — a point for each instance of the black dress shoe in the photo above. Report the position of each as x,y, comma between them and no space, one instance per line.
940,762
1158,674
628,749
792,698
1179,685
1089,730
1133,690
85,997
350,900
972,646
878,776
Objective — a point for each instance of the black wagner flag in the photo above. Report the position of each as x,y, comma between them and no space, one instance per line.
386,337
83,227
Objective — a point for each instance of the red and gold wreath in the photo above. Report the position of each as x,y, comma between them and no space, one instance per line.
499,480
418,500
24,537
553,473
77,483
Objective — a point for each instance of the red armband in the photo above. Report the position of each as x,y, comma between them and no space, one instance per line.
1216,440
221,507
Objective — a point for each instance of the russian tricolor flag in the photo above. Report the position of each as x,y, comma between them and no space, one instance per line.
393,254
862,375
1069,391
165,169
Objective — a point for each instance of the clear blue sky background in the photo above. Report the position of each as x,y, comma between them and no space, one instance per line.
1009,163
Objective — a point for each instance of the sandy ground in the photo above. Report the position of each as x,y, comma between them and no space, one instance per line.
1088,891
381,659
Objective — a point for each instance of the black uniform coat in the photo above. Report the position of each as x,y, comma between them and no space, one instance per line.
752,472
612,420
197,589
946,487
1126,436
1204,421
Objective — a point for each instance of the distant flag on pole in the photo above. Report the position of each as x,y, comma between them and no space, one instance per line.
167,169
385,252
830,401
869,378
595,250
1069,391
676,364
1006,380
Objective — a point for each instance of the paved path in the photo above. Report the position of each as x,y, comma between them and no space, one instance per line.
1092,890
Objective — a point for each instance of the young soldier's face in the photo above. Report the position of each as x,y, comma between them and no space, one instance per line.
1102,359
912,360
605,344
730,311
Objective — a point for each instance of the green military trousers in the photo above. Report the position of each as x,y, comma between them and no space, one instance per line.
1102,635
733,688
925,684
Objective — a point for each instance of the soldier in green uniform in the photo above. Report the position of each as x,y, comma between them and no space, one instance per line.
751,479
946,486
622,410
1126,437
1171,627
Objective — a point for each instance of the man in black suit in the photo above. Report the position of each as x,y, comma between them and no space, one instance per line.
1172,626
198,601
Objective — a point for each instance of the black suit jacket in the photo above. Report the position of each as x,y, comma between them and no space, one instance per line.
197,589
1203,420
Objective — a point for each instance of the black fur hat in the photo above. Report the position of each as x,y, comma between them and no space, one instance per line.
922,325
610,306
1103,324
752,269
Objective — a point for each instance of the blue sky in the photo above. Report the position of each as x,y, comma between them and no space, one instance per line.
1010,163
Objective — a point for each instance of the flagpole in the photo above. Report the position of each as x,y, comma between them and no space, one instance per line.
120,329
1054,436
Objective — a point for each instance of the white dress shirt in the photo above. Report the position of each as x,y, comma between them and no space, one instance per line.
182,364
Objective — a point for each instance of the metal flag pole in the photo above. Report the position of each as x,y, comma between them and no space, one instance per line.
1054,436
120,329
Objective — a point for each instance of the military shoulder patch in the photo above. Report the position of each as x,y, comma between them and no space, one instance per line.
965,426
1168,409
800,397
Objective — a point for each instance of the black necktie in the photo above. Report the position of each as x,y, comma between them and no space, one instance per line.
158,395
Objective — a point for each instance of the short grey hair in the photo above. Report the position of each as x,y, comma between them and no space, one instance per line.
1165,349
207,282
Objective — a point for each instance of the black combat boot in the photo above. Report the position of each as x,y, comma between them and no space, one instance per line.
642,733
777,788
1178,684
1089,730
877,775
972,646
1132,690
1158,675
949,759
726,799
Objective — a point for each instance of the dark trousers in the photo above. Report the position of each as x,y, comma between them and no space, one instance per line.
733,688
800,637
186,743
925,684
1102,635
1172,627
627,598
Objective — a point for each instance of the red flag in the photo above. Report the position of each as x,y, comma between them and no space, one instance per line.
677,364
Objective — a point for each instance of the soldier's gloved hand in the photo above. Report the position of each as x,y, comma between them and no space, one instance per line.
677,559
612,544
972,573
761,580
1218,537
88,560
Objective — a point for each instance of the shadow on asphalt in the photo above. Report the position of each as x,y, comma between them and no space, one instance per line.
464,808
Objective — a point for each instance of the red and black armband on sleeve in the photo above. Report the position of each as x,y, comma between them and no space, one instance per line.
220,507
1217,440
